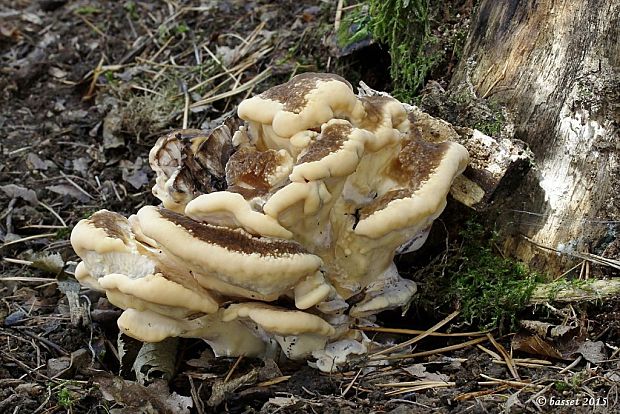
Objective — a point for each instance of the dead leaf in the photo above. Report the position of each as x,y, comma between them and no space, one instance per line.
57,72
593,351
68,190
545,329
156,360
81,165
154,399
137,179
16,191
419,371
77,311
35,162
535,345
48,262
112,129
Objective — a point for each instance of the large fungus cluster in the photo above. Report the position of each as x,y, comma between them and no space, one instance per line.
279,230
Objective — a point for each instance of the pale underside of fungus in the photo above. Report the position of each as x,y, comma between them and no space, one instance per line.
276,230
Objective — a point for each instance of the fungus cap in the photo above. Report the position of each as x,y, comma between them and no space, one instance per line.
305,102
424,172
279,321
261,264
155,288
336,152
231,210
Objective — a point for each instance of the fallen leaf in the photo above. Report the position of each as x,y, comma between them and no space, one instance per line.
593,351
535,345
137,179
57,72
48,262
68,190
154,399
35,162
156,360
419,371
16,191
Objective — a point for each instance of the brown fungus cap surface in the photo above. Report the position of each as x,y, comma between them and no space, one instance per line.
424,172
303,103
261,264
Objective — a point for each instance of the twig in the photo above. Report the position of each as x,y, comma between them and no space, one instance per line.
273,381
416,331
419,337
25,239
572,364
232,369
435,351
511,365
344,393
495,381
73,183
338,15
51,210
259,78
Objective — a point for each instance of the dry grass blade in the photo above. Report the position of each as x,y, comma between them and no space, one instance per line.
352,382
422,387
475,394
233,368
274,381
250,84
417,332
434,351
496,381
25,239
506,356
419,337
410,384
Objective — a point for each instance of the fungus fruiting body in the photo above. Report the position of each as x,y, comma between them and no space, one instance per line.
280,228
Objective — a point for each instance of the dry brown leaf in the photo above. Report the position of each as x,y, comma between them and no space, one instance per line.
136,398
535,345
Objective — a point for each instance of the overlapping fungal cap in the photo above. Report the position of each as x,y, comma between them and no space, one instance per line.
292,110
422,173
282,232
267,266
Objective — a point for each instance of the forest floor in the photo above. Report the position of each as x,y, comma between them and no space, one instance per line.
86,87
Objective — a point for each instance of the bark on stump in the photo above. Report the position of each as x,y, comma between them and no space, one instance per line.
555,66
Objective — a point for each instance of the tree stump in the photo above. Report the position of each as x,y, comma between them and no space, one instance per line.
554,65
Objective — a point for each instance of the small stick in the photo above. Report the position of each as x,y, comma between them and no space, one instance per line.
232,369
186,108
421,388
416,331
73,183
93,82
494,355
338,15
436,351
51,210
24,239
494,381
511,365
572,364
351,383
419,337
474,394
274,381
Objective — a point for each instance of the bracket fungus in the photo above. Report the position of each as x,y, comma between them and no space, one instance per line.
276,230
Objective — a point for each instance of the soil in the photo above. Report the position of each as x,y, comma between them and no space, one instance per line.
86,89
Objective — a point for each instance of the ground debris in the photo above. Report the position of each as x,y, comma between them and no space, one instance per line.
153,399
